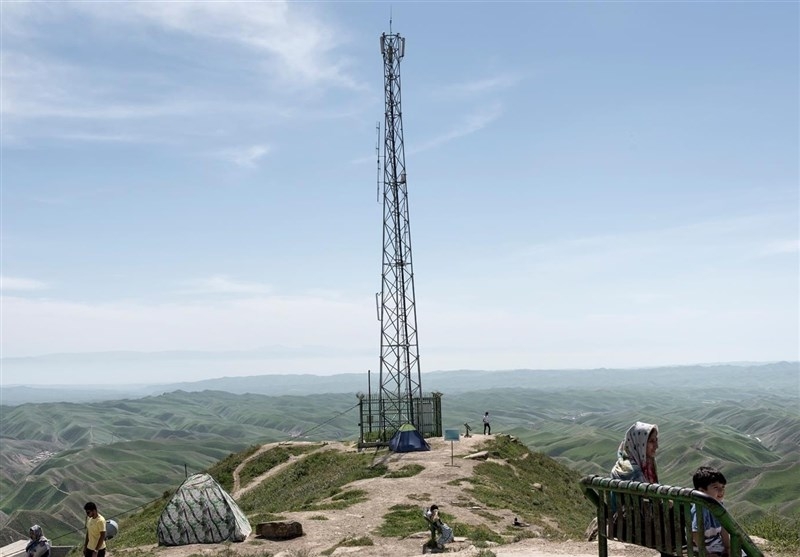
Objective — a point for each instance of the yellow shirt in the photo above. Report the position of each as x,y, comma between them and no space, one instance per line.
94,526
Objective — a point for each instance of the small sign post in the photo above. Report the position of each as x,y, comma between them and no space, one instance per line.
451,435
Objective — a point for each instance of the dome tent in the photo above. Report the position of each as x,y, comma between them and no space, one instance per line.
201,512
408,439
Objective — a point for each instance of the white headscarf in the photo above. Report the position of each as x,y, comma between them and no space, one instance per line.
39,545
633,450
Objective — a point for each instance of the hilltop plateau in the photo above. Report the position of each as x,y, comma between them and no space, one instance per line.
381,515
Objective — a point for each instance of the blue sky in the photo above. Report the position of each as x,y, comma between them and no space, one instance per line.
590,185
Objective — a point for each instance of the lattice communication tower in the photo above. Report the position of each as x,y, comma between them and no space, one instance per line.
400,379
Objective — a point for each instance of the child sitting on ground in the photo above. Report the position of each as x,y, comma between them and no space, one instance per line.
717,540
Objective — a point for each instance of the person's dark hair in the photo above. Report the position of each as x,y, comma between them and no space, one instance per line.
434,508
90,506
705,476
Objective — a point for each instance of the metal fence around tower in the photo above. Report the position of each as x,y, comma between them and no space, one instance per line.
379,419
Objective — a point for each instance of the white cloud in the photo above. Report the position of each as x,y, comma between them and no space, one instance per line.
247,157
8,284
222,284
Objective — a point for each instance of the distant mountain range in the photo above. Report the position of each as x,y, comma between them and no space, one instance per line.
456,381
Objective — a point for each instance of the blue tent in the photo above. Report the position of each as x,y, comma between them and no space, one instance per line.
408,439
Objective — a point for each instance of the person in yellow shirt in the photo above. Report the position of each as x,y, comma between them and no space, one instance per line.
95,543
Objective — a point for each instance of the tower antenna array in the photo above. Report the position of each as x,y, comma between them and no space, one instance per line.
400,378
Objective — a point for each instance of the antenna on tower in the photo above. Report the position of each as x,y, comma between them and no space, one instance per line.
378,160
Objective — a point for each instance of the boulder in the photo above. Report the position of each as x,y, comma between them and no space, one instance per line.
279,530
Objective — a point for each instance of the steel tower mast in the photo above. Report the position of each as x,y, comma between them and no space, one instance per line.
400,378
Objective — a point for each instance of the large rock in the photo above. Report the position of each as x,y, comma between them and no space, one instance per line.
279,530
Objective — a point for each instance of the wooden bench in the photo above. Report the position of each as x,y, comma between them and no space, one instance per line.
657,516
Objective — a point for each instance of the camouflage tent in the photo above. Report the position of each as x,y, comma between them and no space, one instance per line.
201,512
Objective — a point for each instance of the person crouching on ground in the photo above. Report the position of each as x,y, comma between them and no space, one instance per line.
445,532
39,546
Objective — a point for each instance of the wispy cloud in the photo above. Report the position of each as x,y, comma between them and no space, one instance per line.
223,284
283,50
471,124
8,284
712,234
477,87
295,43
247,157
42,87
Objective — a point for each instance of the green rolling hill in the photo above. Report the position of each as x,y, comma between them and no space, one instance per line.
125,453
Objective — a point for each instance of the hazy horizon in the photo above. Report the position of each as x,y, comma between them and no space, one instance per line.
94,364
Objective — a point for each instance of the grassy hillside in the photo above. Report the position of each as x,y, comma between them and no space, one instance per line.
126,453
322,481
119,477
31,430
583,428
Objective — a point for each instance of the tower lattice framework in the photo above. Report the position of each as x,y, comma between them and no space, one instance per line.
400,378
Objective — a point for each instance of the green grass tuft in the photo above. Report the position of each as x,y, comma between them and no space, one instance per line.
783,532
477,534
271,458
406,471
508,487
307,483
140,529
222,471
402,521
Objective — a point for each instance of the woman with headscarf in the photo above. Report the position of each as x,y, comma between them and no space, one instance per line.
636,456
39,546
636,462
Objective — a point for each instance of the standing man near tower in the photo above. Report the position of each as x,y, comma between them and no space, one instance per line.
487,427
